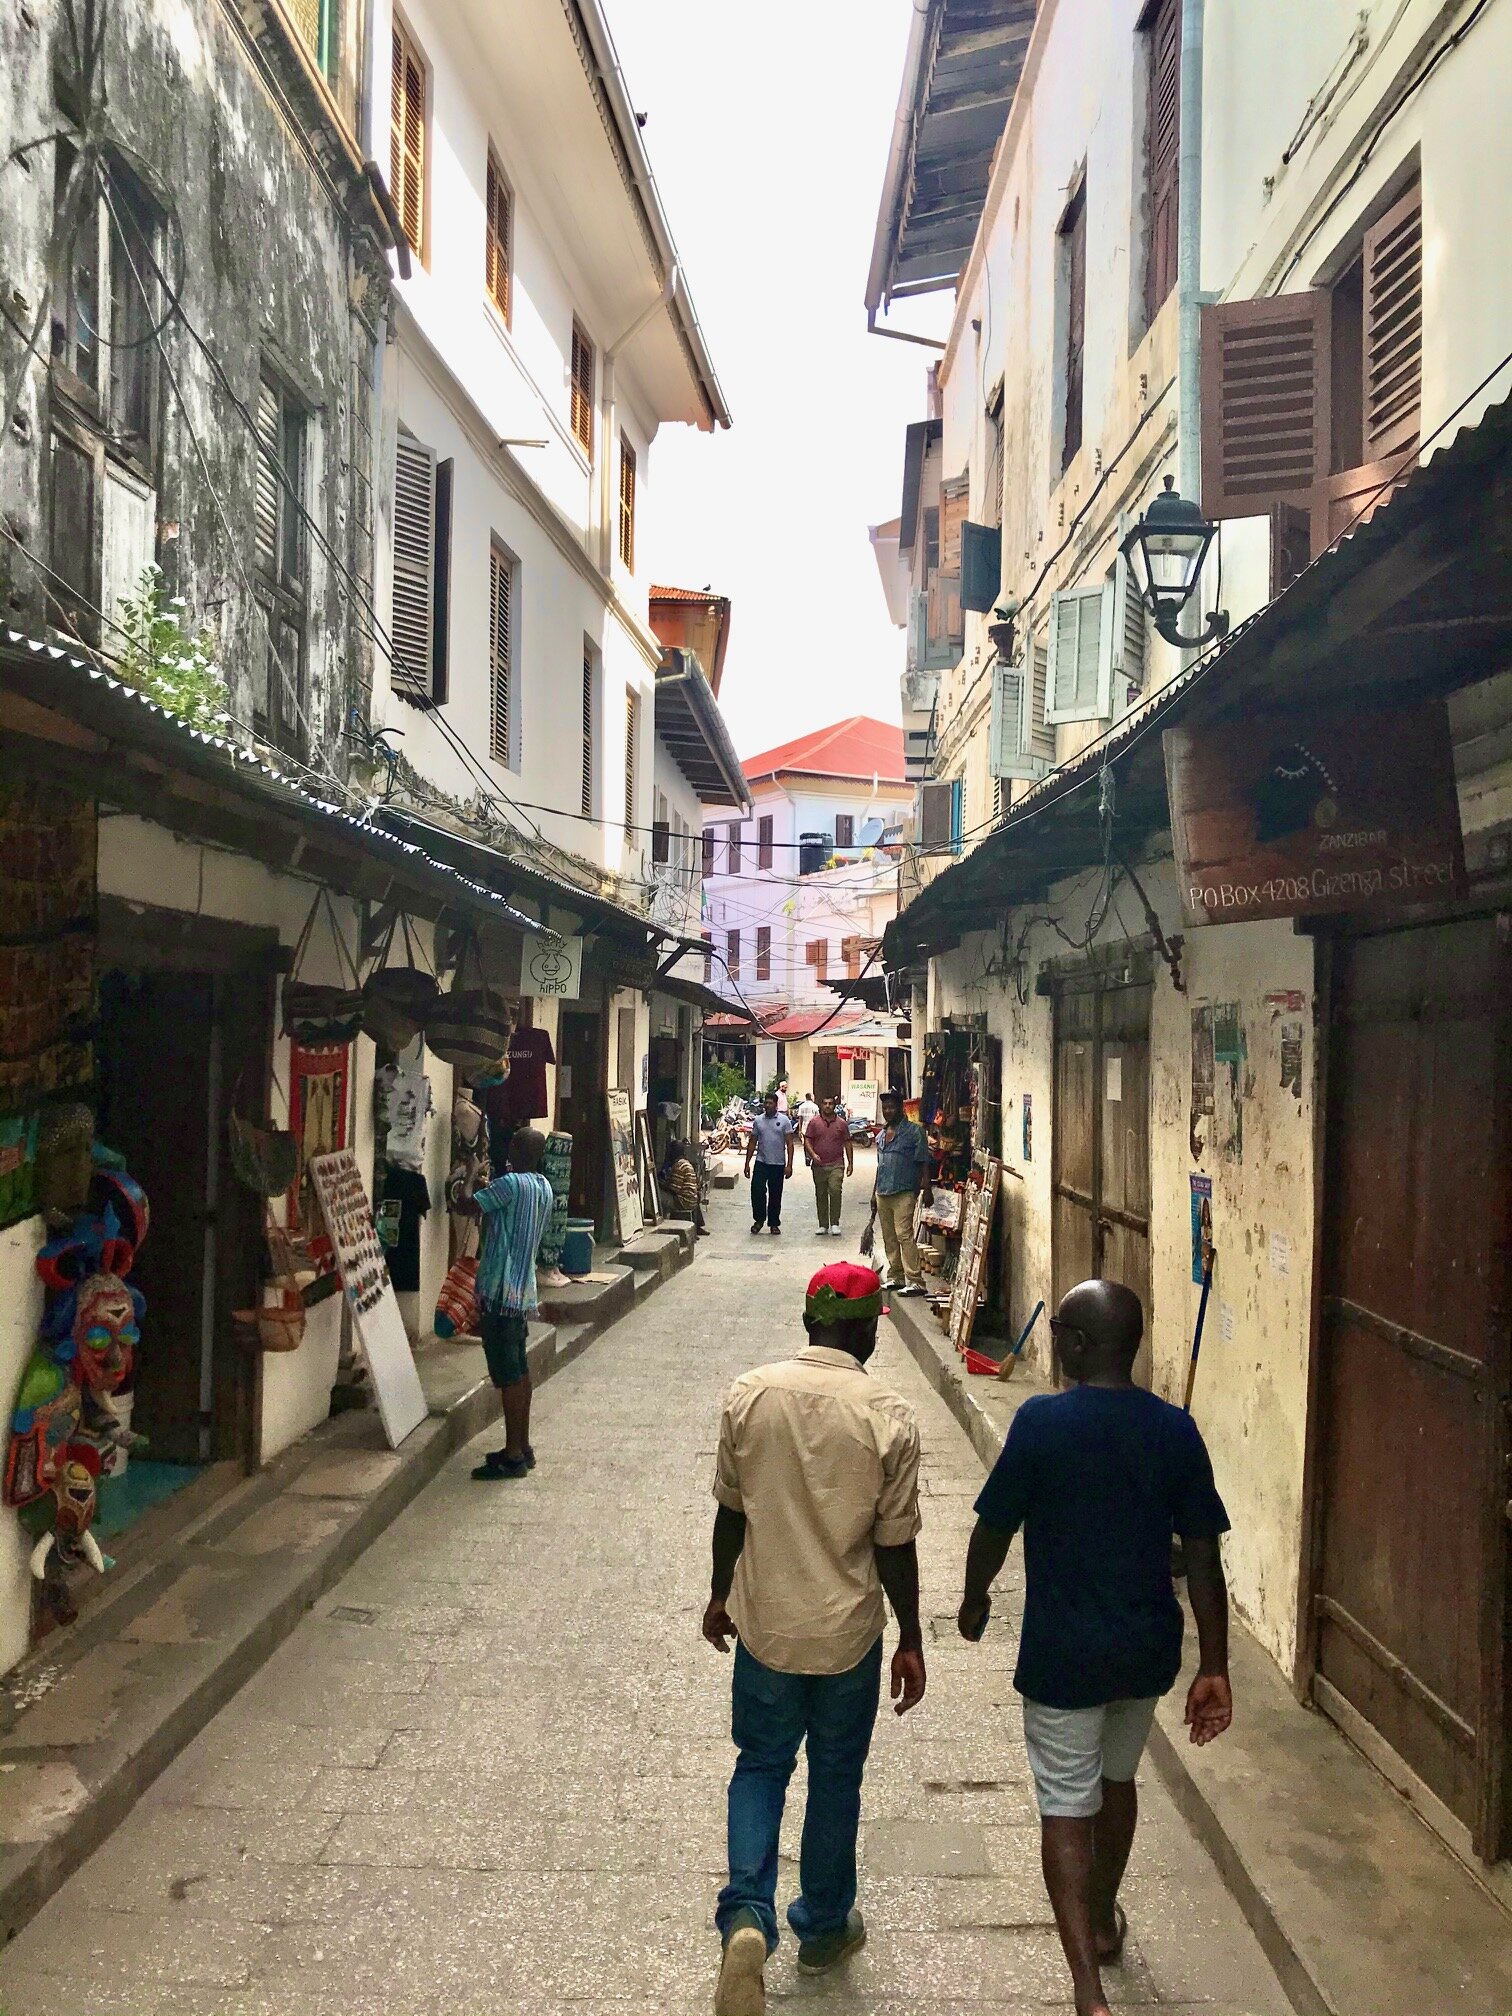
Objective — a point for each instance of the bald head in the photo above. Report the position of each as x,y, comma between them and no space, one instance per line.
1098,1329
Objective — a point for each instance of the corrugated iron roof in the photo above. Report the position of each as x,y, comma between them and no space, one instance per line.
860,747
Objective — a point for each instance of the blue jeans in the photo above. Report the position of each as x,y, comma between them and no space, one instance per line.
772,1714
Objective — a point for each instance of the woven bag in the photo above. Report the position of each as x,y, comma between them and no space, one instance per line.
315,1011
470,1027
397,999
266,1159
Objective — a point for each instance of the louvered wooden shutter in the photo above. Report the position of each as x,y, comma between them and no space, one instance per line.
1394,329
1163,153
587,798
981,566
732,954
709,843
1291,544
708,941
1080,630
1129,629
407,138
850,952
1265,402
268,490
413,626
763,952
632,731
501,722
934,814
499,240
627,504
582,389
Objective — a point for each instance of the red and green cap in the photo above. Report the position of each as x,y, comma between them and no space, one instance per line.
845,1293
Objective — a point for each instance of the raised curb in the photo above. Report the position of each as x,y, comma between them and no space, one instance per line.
188,1683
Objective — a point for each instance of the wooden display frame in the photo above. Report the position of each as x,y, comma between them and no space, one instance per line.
978,1211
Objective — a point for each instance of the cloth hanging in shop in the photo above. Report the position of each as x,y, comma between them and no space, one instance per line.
48,847
405,1201
405,1107
522,1095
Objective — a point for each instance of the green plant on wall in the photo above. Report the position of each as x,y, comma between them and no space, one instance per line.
163,658
722,1083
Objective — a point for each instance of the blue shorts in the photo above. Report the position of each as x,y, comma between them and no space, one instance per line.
504,1343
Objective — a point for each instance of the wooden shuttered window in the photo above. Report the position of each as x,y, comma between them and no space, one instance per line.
816,952
632,739
627,504
589,713
422,570
1080,653
1393,345
267,493
850,952
407,137
845,829
708,957
1074,254
764,842
763,951
503,726
934,821
1162,29
582,389
709,843
1312,401
734,856
1022,743
499,239
732,954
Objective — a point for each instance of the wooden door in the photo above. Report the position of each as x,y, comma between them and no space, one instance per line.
1411,1595
1100,1145
826,1074
157,1057
581,1108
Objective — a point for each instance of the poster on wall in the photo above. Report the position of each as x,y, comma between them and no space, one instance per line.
369,1292
627,1194
861,1098
1312,811
1028,1126
319,1074
552,968
1202,1227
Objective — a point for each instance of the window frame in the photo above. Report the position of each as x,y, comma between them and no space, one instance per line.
732,954
282,576
1160,29
763,951
846,820
1071,242
504,748
733,842
404,49
765,844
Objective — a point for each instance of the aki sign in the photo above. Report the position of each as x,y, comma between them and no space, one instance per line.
1313,811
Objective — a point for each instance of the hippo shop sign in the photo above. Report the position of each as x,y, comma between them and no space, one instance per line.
552,968
1315,810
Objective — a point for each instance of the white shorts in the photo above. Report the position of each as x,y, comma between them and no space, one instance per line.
1072,1750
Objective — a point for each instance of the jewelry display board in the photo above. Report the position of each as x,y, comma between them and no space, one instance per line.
977,1212
348,1215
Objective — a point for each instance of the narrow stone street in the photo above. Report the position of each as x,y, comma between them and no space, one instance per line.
485,1777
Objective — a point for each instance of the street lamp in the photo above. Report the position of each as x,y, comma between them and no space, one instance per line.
1165,552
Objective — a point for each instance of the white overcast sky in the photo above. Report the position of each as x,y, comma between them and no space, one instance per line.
768,130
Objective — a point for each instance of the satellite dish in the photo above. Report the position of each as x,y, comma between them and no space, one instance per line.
871,832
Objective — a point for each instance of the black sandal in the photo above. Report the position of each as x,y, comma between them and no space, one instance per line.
1114,1957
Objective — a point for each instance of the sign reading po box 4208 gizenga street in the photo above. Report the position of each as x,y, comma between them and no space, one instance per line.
1314,810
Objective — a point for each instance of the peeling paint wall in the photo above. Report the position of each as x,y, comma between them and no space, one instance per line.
277,264
1255,983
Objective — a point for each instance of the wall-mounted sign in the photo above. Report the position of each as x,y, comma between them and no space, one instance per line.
1314,810
552,968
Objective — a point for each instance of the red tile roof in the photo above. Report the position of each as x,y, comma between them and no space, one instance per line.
686,595
806,1021
860,747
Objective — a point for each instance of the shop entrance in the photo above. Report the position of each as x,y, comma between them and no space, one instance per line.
580,1107
826,1075
1100,1141
1411,1590
172,1048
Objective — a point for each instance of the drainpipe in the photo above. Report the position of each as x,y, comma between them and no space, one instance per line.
1189,256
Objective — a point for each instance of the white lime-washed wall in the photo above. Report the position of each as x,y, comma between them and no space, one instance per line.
1251,1393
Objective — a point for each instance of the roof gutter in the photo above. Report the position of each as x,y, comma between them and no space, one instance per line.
588,16
899,154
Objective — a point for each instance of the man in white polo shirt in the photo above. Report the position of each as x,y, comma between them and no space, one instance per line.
817,1478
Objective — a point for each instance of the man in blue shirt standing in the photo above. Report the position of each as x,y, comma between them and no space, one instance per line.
903,1163
1100,1477
515,1208
771,1142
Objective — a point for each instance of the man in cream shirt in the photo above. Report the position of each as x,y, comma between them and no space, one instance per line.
817,1479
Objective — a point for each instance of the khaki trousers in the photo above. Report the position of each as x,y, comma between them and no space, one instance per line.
895,1214
828,1183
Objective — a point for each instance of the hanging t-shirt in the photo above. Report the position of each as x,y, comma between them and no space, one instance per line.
405,1201
522,1095
405,1108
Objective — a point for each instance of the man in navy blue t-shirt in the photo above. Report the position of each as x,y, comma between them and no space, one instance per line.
1101,1477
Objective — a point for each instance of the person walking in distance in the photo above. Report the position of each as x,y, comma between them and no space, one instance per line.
827,1142
1100,1477
515,1208
903,1162
817,1482
771,1144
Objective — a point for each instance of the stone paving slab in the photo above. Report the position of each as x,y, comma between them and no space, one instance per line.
485,1775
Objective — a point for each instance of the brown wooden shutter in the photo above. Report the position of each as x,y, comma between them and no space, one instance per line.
1163,153
708,939
500,656
732,954
1265,402
1074,235
1291,544
709,843
1394,329
407,138
935,801
498,274
632,734
627,504
763,952
267,494
414,612
764,842
582,388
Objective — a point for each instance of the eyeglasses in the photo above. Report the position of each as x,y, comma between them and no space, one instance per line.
1060,1327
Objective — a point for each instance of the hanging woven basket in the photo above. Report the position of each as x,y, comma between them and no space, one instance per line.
396,1000
470,1027
316,1011
278,1325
